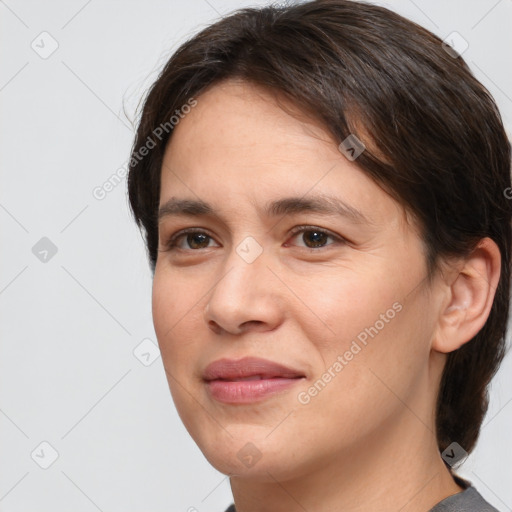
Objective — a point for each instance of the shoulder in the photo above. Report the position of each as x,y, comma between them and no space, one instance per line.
468,500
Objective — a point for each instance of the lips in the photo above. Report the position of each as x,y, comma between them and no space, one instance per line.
248,368
249,380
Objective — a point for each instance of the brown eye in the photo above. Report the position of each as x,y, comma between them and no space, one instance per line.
197,240
189,240
312,237
315,238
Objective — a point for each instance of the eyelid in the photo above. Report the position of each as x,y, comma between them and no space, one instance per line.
303,228
170,244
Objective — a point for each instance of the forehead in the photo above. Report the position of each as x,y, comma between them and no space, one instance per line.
235,116
238,141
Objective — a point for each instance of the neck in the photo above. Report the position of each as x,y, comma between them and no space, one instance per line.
398,471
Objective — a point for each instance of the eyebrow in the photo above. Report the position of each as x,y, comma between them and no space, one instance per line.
322,204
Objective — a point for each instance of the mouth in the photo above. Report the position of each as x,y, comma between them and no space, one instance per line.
243,379
248,380
248,368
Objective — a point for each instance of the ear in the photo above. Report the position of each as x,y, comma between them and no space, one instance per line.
469,297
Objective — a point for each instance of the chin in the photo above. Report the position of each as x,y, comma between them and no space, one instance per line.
261,461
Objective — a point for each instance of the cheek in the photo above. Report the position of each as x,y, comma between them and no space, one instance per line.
174,315
365,324
174,307
338,306
163,309
174,298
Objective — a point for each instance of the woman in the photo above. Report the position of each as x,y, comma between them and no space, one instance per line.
322,192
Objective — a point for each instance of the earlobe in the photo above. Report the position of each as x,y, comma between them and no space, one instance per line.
469,298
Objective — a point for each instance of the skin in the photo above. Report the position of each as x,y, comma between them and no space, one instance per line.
366,441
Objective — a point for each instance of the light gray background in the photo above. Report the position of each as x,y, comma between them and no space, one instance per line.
69,325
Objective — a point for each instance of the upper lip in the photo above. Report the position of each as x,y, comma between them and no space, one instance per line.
231,369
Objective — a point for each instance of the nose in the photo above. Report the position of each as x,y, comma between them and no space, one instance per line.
245,297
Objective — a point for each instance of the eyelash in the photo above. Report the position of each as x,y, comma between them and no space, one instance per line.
171,243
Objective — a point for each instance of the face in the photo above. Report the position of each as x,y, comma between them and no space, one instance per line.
291,254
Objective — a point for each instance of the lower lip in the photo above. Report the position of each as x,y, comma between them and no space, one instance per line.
248,391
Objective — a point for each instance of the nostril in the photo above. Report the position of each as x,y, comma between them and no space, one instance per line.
244,327
215,327
251,324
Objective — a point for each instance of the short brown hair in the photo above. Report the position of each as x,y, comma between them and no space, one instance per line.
439,144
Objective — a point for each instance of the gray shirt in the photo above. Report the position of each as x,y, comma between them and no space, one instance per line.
468,500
